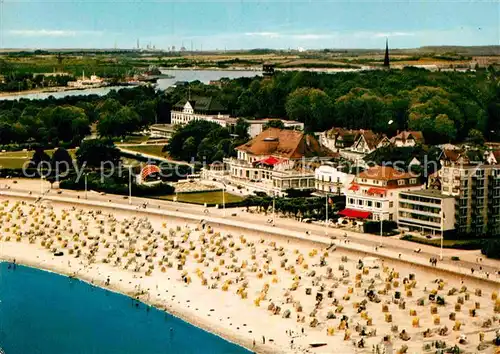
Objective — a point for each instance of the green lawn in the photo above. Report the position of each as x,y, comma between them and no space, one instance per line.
16,159
205,197
12,162
154,150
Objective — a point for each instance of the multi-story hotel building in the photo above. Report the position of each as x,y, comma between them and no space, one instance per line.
476,188
374,193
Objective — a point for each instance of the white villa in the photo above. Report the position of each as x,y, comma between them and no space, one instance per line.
207,109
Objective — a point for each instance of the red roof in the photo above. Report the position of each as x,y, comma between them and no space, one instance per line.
355,214
354,187
377,191
269,161
148,170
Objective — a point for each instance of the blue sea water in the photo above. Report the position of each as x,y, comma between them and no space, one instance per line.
42,312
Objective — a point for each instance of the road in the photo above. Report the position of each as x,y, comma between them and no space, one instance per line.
392,246
152,157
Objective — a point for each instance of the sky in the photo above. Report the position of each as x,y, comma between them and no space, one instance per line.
232,24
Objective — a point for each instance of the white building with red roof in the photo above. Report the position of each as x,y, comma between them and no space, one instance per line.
374,193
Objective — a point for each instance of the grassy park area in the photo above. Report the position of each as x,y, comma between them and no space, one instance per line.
154,150
205,197
16,159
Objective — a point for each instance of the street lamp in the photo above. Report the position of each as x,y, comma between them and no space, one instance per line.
85,175
442,235
326,215
130,184
41,183
274,206
224,198
381,230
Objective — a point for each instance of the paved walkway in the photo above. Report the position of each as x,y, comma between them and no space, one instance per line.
152,157
392,247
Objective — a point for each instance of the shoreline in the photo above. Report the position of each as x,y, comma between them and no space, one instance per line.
273,326
117,290
58,89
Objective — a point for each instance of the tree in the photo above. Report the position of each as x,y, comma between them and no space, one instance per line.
311,106
491,248
61,162
241,129
185,143
274,123
40,159
475,137
96,152
119,124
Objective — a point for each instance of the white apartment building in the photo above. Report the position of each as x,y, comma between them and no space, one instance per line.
374,193
427,211
330,179
476,189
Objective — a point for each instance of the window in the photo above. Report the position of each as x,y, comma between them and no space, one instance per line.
360,201
401,182
391,204
413,181
351,200
390,216
378,205
369,203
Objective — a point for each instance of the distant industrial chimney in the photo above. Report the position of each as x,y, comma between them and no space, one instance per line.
386,57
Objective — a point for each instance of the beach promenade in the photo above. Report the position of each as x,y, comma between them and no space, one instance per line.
380,247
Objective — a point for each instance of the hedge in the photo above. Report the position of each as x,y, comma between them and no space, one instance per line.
473,244
491,249
373,227
111,186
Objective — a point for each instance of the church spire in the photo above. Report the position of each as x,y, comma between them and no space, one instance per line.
386,57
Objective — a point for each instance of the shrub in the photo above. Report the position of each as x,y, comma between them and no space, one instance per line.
457,244
373,227
491,249
116,186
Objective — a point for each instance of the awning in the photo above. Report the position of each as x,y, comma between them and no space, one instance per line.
377,191
354,187
271,161
355,214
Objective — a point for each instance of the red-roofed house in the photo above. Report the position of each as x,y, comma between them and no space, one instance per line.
276,160
374,193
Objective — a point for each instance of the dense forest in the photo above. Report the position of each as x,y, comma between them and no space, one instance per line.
446,106
64,122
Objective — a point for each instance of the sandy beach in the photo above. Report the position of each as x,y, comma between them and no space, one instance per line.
269,294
